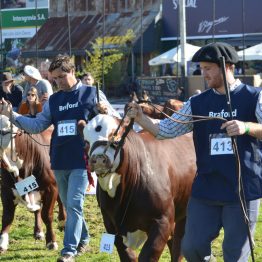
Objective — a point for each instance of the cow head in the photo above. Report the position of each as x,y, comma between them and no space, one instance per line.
98,132
7,133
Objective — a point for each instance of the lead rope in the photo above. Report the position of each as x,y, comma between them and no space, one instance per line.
241,192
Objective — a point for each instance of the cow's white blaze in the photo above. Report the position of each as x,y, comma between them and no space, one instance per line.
92,131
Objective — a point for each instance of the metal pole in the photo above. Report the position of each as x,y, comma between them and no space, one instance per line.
243,36
69,28
214,17
36,42
182,15
103,47
1,38
142,42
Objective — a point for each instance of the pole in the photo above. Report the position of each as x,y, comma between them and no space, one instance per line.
1,39
36,42
182,15
142,40
69,28
103,47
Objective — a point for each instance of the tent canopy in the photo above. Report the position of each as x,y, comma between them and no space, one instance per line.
251,53
174,55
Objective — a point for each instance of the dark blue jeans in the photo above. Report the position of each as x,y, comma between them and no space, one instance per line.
204,221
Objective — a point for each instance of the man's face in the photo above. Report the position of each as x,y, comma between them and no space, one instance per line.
64,80
212,74
88,80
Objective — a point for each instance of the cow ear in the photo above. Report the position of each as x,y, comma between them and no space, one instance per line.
80,126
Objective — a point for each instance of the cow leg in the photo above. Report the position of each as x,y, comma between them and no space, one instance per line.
49,199
157,239
174,244
7,199
38,232
61,214
125,254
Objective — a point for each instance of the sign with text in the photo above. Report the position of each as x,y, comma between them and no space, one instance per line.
205,18
160,89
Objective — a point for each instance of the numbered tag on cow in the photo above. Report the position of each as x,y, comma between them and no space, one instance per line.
107,243
26,185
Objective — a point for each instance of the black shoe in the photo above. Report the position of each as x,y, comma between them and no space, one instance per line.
66,258
83,248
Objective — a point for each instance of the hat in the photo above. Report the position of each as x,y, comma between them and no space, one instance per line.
6,76
32,72
212,53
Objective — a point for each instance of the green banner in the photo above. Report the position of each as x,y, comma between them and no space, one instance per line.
24,17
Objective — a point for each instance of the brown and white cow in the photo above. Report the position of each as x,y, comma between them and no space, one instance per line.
21,155
142,191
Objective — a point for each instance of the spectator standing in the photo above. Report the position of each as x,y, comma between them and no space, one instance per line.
34,78
214,202
197,71
73,102
31,106
10,91
88,79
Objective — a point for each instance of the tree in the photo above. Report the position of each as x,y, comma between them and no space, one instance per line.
115,49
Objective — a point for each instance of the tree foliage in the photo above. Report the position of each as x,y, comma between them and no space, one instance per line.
115,49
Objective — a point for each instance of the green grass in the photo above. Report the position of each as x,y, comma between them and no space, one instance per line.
24,248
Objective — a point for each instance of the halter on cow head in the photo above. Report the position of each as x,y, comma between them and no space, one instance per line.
103,143
7,148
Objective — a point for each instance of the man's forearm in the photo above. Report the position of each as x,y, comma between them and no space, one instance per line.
151,125
254,129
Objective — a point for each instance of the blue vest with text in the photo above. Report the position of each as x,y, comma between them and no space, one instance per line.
67,108
216,164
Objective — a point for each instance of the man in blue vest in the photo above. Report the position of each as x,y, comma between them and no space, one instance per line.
215,201
74,101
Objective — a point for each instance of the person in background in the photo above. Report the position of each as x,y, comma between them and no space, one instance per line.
10,91
34,78
215,201
31,106
88,79
73,102
197,71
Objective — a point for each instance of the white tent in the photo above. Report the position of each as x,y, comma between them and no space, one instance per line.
174,55
251,53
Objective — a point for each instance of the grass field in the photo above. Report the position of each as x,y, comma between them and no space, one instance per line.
24,248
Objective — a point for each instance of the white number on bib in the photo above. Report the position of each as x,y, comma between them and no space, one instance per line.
221,146
66,128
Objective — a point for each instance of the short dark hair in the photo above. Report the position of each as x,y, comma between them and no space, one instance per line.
63,62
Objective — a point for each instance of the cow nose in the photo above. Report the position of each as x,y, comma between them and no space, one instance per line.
100,162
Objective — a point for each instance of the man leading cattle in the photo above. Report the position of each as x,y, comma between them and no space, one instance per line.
214,202
64,109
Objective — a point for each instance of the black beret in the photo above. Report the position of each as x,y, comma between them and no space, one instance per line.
212,53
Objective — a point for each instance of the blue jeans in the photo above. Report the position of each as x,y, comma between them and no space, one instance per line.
72,187
204,221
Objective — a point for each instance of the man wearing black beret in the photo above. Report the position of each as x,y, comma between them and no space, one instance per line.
215,202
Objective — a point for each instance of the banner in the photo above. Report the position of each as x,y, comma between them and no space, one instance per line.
217,18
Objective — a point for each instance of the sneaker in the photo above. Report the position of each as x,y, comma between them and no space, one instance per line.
66,258
83,248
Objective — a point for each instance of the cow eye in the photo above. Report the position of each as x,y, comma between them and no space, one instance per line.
98,128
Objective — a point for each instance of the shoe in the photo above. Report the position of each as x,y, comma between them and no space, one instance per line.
66,258
82,248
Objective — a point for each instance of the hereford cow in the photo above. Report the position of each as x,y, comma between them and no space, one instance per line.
22,155
143,190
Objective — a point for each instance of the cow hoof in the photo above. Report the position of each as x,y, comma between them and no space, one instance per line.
39,236
52,246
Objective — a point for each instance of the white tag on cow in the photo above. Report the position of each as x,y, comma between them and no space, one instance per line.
107,243
26,185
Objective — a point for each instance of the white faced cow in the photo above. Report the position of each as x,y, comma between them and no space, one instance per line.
143,190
